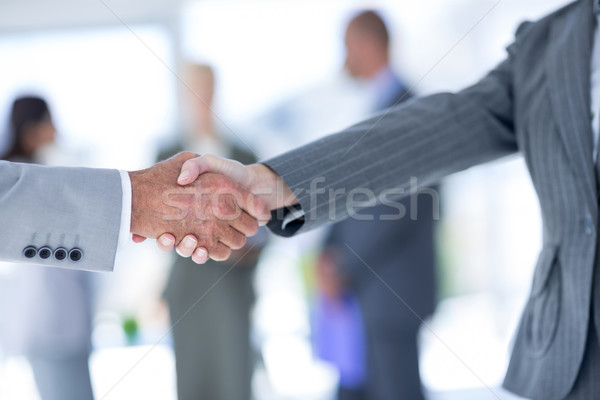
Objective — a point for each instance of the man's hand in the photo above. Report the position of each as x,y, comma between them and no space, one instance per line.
257,178
214,212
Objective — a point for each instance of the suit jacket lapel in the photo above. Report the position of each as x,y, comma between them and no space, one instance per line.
569,55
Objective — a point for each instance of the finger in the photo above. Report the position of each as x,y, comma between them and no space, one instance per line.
191,169
138,238
232,238
245,224
220,253
200,256
166,242
186,247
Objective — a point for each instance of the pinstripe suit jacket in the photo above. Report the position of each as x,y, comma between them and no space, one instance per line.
536,102
70,208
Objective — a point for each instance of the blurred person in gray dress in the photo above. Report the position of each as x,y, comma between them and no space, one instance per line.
210,305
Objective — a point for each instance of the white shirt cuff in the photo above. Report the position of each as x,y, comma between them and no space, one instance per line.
294,215
125,210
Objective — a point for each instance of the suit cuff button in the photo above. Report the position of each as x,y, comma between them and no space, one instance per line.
75,255
45,252
60,254
29,252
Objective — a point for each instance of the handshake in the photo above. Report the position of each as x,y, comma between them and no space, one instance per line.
205,206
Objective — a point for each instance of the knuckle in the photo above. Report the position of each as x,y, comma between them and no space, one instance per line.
187,154
226,253
220,255
224,209
251,227
255,227
239,242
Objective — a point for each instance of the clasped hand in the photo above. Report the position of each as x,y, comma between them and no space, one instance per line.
203,213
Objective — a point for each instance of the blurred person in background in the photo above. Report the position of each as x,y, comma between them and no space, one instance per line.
52,311
210,305
359,254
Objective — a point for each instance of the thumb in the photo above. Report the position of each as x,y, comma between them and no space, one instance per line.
191,169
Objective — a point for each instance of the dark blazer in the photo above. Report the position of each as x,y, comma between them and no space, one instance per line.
381,259
536,102
399,251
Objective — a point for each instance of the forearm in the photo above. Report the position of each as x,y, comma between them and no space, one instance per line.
416,143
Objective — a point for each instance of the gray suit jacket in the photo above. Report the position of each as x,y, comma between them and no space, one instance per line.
64,217
536,102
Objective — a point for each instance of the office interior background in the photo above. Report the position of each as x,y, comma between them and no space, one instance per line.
111,70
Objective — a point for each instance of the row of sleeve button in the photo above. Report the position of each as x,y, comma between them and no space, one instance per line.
59,254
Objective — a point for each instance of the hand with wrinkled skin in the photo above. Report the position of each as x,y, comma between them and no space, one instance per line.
214,211
257,178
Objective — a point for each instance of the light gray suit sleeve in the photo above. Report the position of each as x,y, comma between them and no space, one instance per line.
425,138
65,217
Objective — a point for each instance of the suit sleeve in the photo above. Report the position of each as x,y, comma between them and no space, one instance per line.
64,217
421,140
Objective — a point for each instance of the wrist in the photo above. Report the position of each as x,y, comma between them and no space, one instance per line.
135,194
278,193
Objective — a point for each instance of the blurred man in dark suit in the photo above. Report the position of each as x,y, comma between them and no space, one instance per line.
368,253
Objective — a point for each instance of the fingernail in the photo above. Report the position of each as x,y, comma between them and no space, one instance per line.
184,174
200,256
166,241
189,243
